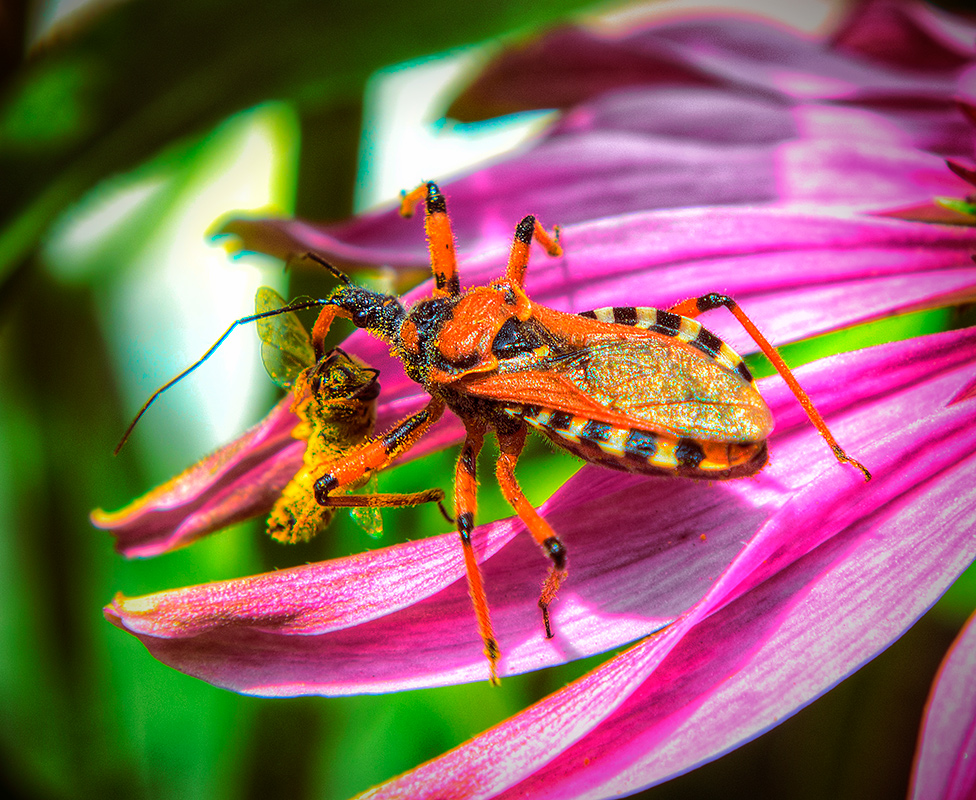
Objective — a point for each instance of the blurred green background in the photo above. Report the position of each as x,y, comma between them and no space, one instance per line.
126,130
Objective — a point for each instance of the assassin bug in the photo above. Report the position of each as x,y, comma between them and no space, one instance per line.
335,402
635,389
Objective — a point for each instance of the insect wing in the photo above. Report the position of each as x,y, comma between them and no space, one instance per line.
644,381
369,518
670,386
286,348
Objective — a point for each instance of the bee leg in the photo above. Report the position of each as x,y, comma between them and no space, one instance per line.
390,500
511,446
465,503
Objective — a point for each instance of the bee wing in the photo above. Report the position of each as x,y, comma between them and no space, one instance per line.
286,347
369,518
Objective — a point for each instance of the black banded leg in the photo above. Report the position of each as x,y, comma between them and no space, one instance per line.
698,305
510,446
440,237
465,504
518,259
378,453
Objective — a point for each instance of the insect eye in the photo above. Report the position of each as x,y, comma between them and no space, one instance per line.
513,339
362,317
369,390
378,313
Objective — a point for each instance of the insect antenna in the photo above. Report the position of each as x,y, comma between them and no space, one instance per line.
297,305
336,272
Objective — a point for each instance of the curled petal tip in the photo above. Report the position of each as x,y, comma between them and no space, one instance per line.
111,612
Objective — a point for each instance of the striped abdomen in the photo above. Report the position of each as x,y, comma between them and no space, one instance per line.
643,451
680,328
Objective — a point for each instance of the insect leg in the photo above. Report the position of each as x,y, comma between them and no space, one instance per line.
440,237
321,329
511,446
518,259
697,305
391,500
465,503
378,453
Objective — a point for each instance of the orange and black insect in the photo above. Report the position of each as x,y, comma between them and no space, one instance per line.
635,389
335,401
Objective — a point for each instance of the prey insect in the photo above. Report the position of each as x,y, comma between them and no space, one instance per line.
636,389
335,401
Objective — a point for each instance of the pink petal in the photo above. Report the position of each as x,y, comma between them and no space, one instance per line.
907,34
945,763
866,268
915,51
745,52
411,616
646,128
239,481
835,576
616,156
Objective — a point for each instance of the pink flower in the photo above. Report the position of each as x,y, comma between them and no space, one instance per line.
833,570
835,574
267,635
747,599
